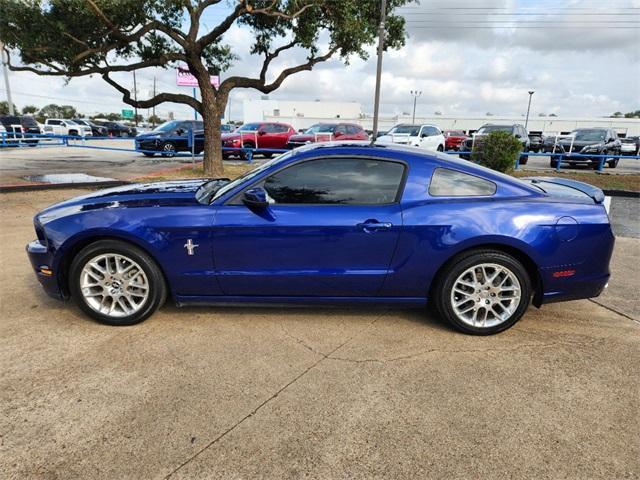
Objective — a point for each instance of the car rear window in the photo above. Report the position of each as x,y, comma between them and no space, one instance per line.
451,183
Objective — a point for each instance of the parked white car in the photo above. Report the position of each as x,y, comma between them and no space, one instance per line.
58,126
428,137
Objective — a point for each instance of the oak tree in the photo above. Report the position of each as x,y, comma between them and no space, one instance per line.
72,38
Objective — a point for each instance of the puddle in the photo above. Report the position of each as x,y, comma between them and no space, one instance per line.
66,178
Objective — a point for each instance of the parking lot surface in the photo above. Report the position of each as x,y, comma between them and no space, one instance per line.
275,393
20,165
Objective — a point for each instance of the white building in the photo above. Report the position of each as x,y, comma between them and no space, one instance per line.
303,114
300,114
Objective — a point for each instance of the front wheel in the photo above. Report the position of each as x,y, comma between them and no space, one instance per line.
613,163
483,292
524,159
168,149
148,154
116,283
440,148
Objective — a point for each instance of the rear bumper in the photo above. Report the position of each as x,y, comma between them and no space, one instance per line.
579,290
41,261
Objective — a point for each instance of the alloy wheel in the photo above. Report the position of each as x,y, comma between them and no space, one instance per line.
114,285
485,295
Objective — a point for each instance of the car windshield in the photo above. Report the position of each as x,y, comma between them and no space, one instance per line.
249,127
71,122
166,126
494,128
321,128
226,128
589,135
247,176
412,130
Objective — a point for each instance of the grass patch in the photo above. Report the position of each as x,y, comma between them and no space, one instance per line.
186,172
630,182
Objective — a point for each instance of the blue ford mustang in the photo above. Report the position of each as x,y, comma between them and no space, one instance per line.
340,224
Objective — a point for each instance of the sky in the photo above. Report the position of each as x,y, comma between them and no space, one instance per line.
466,57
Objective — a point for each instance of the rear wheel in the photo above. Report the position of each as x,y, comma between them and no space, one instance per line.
553,163
440,148
524,159
148,154
116,283
483,292
613,163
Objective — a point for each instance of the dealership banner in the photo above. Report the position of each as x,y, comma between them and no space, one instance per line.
184,78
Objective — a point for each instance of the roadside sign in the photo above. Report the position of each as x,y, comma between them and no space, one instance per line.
127,114
185,79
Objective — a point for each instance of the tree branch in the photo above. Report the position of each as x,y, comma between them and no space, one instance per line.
152,102
57,71
271,56
260,83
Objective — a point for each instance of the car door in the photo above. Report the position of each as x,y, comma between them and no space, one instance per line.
429,138
330,230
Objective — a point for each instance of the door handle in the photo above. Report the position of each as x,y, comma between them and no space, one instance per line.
371,226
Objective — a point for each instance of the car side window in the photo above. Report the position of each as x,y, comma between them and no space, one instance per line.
341,129
451,183
337,181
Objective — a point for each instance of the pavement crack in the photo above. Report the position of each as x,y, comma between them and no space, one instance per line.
523,346
617,312
272,397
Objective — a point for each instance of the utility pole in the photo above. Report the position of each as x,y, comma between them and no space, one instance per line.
526,121
135,97
5,70
376,102
416,94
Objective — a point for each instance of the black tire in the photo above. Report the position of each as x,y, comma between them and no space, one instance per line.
148,154
157,287
73,133
447,278
613,163
524,159
267,155
440,148
168,149
553,163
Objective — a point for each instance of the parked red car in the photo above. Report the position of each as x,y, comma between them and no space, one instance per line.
328,132
453,139
269,135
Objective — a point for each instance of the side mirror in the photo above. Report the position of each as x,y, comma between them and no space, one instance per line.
261,132
179,131
424,135
256,197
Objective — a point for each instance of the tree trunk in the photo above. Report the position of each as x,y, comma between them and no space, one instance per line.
212,142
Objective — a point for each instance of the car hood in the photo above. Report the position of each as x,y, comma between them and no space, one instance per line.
152,134
158,194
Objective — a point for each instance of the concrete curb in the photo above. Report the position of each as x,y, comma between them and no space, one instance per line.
34,187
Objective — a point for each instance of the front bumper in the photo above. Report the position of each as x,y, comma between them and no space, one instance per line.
41,260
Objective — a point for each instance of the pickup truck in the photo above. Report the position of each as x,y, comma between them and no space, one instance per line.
57,126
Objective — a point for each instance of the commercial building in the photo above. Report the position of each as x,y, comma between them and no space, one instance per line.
303,114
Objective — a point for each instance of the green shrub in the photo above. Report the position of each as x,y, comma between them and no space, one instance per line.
498,151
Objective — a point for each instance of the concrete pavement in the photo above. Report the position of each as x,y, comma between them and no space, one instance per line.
274,393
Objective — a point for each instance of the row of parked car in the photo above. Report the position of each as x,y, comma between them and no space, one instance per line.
26,127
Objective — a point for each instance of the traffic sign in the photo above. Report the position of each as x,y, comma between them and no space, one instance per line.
127,114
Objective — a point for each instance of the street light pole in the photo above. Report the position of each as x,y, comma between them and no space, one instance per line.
526,121
416,94
376,101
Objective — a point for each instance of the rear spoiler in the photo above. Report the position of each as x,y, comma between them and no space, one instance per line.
594,192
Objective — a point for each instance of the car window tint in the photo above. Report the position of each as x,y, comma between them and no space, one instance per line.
337,181
450,183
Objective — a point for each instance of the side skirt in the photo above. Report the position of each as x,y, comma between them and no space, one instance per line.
251,301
